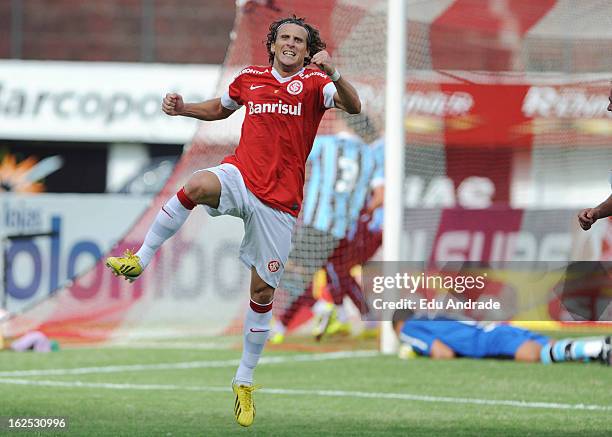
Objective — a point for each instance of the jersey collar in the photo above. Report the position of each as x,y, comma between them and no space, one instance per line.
282,79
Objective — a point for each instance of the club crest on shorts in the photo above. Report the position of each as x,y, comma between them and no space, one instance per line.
274,265
295,87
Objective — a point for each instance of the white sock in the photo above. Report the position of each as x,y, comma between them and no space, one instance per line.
342,317
279,328
592,348
370,324
169,219
256,330
320,307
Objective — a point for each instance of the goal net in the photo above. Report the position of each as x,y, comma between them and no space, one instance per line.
507,137
507,130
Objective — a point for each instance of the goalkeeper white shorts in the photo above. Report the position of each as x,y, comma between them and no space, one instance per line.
267,231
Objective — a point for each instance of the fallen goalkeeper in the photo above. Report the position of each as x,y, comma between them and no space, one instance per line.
445,338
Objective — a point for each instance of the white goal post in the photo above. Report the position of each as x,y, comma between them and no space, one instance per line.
394,147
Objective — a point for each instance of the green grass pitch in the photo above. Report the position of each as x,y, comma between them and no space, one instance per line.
176,389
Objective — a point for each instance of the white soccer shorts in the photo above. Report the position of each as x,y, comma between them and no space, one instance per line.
267,231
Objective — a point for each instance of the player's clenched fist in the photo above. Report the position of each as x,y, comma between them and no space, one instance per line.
587,217
322,60
173,104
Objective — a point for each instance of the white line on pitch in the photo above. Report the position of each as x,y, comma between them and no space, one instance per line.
190,364
323,393
164,346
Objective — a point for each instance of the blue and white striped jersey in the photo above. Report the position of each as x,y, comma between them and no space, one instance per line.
341,170
378,179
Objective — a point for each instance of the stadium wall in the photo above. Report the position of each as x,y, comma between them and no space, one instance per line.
175,31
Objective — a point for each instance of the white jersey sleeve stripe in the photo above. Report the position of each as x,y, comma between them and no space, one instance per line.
413,341
228,102
328,95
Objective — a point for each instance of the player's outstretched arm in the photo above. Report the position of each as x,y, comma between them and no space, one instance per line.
588,216
346,97
209,110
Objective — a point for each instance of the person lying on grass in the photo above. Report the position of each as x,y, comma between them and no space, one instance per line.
446,338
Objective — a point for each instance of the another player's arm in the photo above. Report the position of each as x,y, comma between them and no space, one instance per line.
346,97
377,199
209,110
605,209
588,216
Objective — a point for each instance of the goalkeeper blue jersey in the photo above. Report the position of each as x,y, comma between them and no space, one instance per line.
466,338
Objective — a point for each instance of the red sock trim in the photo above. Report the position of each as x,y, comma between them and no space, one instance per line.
185,201
259,308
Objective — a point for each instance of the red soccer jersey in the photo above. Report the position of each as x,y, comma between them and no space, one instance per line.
280,124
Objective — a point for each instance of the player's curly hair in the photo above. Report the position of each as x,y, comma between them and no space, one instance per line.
313,41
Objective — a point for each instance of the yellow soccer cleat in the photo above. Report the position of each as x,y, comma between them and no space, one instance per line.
127,265
244,406
338,328
277,338
368,334
406,352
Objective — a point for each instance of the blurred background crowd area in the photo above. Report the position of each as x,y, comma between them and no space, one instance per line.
472,35
177,31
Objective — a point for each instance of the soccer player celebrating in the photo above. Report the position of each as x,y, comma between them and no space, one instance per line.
262,181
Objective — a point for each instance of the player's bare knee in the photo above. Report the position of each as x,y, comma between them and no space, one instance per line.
262,294
194,189
442,355
527,357
203,187
528,352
